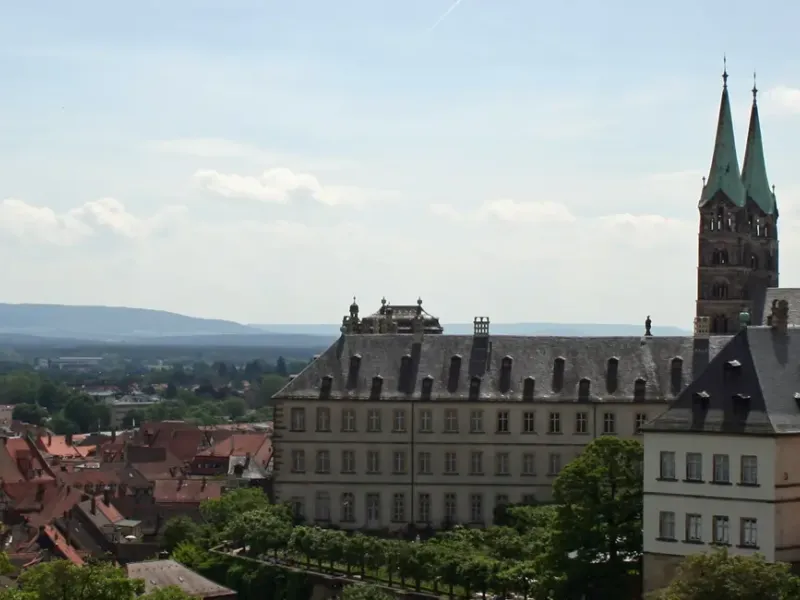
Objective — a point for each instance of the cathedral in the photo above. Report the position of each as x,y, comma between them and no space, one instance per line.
738,236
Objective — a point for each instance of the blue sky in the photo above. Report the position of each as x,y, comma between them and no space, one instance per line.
263,161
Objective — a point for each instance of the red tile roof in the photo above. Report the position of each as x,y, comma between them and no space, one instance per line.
239,444
186,490
56,445
63,546
109,512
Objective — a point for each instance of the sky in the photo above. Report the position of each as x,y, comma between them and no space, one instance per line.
265,161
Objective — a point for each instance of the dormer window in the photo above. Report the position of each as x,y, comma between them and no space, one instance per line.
741,404
639,389
676,375
701,399
404,381
505,374
325,387
427,387
584,387
377,387
474,388
797,399
352,372
528,389
733,365
558,374
612,375
454,374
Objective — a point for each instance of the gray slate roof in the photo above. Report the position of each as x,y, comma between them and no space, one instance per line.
650,359
791,295
755,397
163,573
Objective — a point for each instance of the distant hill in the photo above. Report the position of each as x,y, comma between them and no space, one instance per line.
555,329
109,322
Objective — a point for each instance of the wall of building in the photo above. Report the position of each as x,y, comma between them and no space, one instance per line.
787,499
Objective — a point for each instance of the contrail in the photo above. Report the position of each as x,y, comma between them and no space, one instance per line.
453,6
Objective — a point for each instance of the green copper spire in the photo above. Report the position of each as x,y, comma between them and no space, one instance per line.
724,172
754,171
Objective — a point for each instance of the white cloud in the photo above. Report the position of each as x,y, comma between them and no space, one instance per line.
282,185
43,224
782,100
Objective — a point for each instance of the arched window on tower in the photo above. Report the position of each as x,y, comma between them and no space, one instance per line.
758,228
766,231
719,219
719,257
719,324
719,290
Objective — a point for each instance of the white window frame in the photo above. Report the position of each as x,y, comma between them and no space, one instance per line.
722,468
529,464
297,418
749,474
666,525
323,419
694,527
722,529
450,507
529,421
581,422
476,421
426,421
424,463
399,420
322,506
667,465
639,422
451,420
503,421
399,462
748,533
373,507
348,420
348,507
554,422
476,508
348,461
374,420
694,466
424,508
450,463
476,462
399,507
373,462
298,461
554,463
609,423
502,463
322,463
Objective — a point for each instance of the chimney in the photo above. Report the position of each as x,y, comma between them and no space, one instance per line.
107,496
203,485
779,316
113,434
480,327
49,439
702,327
247,460
93,507
68,439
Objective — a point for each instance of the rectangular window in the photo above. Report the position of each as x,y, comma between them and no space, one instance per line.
450,508
476,508
450,463
348,420
529,464
373,510
323,461
424,508
528,422
722,530
501,500
554,464
722,468
399,507
529,499
374,420
424,463
476,462
476,421
399,420
749,533
749,470
667,465
666,525
322,506
348,507
373,462
451,420
298,507
609,423
694,466
502,464
554,425
426,421
323,418
348,461
298,461
582,422
694,528
399,462
297,419
502,421
641,419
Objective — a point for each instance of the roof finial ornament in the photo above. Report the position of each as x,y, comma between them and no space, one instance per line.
755,88
724,71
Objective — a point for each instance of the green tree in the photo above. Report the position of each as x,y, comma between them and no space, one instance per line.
178,530
171,391
720,576
219,511
234,407
597,527
364,591
280,367
29,413
60,579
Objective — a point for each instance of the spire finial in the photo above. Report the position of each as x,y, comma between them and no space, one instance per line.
755,88
724,71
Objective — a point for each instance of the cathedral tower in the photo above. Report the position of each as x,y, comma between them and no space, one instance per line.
738,237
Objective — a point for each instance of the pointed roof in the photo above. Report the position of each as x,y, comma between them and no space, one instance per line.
723,176
754,171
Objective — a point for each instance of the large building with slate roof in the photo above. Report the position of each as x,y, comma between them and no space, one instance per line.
398,424
738,236
721,464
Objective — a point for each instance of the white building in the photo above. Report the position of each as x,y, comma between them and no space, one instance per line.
398,424
721,465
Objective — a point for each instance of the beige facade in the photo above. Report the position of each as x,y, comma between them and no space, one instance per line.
365,464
